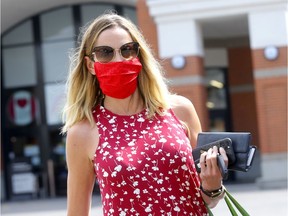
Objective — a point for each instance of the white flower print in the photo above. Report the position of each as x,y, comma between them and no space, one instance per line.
122,213
132,143
118,168
172,197
162,140
140,119
159,181
177,209
155,168
148,209
105,174
111,121
158,131
149,162
184,167
119,158
104,144
137,191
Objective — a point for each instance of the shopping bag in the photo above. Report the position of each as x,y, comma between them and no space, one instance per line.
233,205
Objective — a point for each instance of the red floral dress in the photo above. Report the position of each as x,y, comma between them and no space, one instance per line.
145,166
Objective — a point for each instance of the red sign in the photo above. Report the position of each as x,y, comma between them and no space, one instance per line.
22,108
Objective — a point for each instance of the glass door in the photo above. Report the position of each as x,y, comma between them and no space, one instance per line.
218,103
218,99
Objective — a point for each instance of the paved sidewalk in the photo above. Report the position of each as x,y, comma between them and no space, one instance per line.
257,201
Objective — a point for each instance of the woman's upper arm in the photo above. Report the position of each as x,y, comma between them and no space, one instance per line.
185,111
81,144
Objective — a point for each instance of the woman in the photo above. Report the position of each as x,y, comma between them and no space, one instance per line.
125,127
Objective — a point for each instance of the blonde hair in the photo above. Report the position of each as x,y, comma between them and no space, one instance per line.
83,91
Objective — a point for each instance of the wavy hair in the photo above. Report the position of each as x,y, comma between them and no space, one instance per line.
83,91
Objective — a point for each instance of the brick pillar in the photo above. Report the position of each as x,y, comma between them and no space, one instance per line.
242,91
270,77
189,83
182,37
271,93
147,25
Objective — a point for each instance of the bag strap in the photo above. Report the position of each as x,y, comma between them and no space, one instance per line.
209,211
236,204
230,206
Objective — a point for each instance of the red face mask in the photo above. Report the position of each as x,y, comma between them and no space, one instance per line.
118,79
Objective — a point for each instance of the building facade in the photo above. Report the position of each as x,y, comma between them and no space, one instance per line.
228,57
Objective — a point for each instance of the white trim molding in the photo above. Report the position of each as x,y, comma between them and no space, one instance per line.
173,10
270,73
186,80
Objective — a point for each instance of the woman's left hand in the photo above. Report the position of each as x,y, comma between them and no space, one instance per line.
210,175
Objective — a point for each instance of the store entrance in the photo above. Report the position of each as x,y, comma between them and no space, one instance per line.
218,99
218,103
57,169
23,163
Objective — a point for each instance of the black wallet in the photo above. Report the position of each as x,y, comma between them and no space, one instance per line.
241,144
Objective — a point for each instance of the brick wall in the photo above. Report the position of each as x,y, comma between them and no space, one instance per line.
242,93
194,66
196,92
147,25
271,97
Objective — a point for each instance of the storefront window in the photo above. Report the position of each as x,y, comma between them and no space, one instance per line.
90,12
57,24
130,13
13,38
54,101
19,66
217,99
35,64
216,89
56,60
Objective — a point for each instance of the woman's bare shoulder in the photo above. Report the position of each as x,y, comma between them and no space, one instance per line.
181,104
81,129
82,138
186,113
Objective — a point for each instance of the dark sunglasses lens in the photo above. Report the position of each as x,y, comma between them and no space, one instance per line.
104,54
130,50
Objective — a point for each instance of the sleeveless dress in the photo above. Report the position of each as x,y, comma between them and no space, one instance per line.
144,167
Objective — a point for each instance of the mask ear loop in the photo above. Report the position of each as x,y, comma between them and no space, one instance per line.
100,96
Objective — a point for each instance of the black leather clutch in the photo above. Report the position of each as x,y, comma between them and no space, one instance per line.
241,144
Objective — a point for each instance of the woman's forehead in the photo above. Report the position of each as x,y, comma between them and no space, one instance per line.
114,37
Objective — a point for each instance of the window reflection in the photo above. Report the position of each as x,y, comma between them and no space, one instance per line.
57,24
216,91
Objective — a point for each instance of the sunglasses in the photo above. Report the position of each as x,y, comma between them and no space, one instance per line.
105,54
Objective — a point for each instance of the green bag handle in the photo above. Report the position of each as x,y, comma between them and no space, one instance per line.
236,204
231,203
230,206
